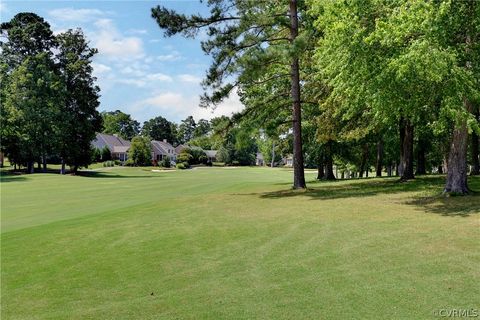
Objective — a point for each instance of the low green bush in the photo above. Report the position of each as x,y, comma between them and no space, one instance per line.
165,163
129,163
183,165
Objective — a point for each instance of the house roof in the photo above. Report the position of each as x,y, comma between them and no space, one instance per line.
120,149
211,153
179,148
113,142
162,147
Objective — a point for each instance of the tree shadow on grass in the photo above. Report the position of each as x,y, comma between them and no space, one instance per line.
459,206
437,203
96,174
6,176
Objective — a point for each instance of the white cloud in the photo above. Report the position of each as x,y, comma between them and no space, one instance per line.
159,77
4,8
178,106
99,68
111,43
137,31
136,82
189,78
170,57
70,14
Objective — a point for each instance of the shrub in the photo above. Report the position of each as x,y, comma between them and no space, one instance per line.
129,163
183,165
108,164
184,157
96,155
203,159
165,163
106,154
117,162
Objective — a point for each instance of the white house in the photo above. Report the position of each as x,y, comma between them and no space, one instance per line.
163,149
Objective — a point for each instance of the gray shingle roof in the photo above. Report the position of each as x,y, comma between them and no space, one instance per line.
111,142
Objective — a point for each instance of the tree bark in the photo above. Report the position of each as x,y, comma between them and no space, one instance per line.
475,149
457,162
30,167
320,168
421,166
379,158
273,155
298,170
44,163
475,161
62,169
440,169
364,159
406,150
329,175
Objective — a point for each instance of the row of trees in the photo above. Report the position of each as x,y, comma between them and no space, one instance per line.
158,128
358,83
48,95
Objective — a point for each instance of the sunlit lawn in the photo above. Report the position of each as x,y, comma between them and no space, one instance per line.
234,243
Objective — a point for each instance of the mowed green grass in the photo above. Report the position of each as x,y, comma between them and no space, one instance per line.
234,243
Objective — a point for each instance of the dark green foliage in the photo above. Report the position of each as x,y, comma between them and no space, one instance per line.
79,117
48,94
117,122
106,154
165,163
159,129
140,151
186,130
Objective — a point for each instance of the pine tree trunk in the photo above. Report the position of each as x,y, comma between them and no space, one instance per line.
379,158
298,171
407,150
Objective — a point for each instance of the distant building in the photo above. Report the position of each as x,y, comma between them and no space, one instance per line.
211,155
259,161
180,148
118,146
163,149
288,161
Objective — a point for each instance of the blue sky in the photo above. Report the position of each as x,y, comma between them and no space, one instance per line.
139,71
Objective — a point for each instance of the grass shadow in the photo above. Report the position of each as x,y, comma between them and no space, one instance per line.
328,190
459,206
430,185
8,176
96,174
